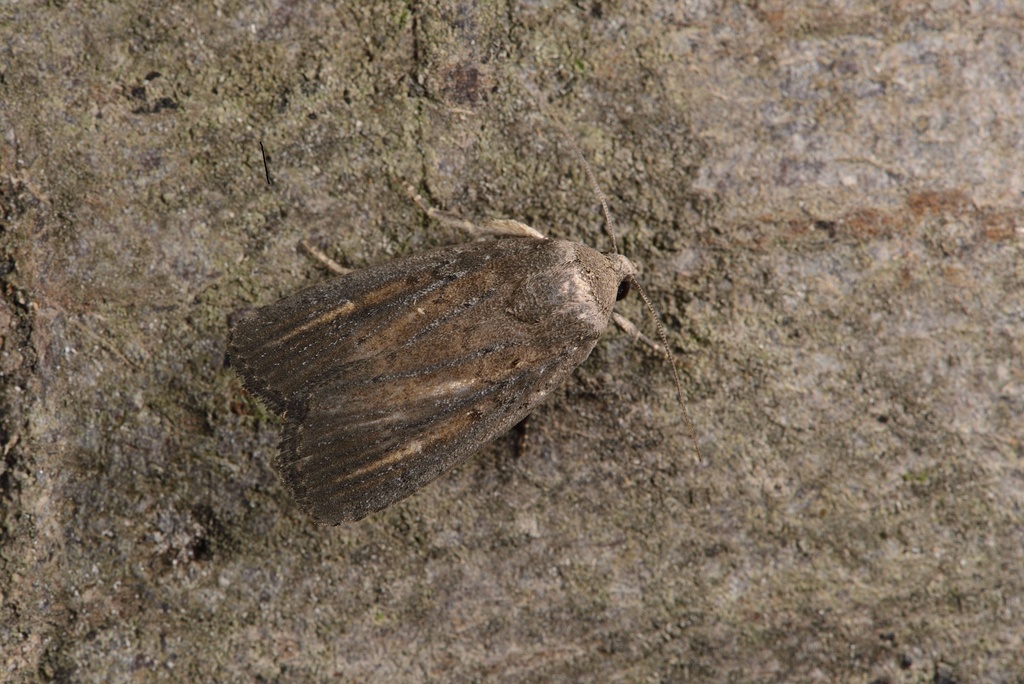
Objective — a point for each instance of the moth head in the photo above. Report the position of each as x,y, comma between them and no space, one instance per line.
626,271
603,279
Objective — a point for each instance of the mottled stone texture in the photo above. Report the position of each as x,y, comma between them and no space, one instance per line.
824,200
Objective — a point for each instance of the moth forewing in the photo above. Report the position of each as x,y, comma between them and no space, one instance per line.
390,376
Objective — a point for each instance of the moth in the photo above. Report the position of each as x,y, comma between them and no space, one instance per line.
390,376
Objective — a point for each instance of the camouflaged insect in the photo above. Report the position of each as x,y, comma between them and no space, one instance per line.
390,376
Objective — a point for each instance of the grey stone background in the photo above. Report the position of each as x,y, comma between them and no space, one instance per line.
825,203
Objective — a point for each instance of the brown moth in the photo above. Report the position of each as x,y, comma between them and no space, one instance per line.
390,376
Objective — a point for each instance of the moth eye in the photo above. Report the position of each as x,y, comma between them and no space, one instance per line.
623,291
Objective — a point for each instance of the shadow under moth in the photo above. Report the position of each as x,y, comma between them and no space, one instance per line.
390,376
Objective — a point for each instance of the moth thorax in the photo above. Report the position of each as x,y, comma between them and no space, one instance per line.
576,293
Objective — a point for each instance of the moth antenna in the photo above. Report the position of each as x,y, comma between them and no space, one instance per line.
672,363
610,227
609,224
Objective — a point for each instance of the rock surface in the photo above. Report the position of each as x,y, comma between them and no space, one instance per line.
825,204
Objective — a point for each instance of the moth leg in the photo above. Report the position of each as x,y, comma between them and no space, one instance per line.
522,428
508,228
634,332
329,263
495,228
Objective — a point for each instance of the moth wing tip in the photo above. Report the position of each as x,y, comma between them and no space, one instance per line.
322,510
